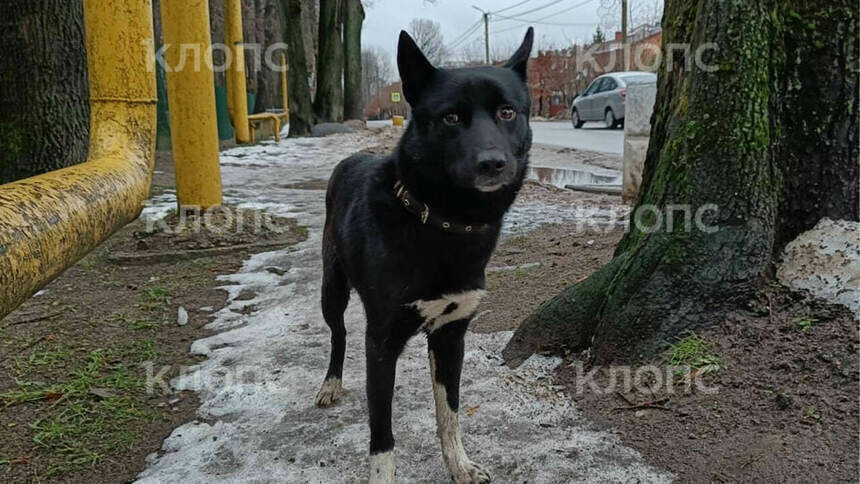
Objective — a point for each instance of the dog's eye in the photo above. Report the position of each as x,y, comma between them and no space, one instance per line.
451,119
506,113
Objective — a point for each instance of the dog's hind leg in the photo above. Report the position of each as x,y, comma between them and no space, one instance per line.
446,362
335,296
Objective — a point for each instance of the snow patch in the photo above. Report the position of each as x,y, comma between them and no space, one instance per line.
826,262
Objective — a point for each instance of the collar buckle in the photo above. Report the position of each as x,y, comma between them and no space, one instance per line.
425,214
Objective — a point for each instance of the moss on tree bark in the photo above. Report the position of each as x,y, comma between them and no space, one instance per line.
764,130
44,95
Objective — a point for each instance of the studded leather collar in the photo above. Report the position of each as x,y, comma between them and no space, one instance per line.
427,217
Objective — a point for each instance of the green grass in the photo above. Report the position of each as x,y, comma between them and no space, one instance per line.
155,299
141,324
693,351
55,358
75,426
812,413
302,231
90,264
803,323
28,391
145,324
140,351
158,294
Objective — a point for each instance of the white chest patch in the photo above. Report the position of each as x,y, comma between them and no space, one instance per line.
448,308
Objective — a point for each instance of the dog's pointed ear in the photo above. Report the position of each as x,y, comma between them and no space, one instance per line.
415,70
519,61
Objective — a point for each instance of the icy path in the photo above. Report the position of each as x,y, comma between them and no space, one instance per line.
257,387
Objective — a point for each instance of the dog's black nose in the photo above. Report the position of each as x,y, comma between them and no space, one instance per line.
491,163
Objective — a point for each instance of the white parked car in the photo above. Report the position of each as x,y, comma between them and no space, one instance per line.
604,98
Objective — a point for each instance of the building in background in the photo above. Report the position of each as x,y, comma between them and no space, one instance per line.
557,76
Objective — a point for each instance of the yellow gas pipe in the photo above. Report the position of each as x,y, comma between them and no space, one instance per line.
286,102
237,90
191,101
48,222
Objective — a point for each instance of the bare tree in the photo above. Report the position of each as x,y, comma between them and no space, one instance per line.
376,73
641,12
376,70
646,12
428,36
473,53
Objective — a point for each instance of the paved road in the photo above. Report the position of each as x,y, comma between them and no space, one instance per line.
592,137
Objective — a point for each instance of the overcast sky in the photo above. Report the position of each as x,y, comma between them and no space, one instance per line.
385,18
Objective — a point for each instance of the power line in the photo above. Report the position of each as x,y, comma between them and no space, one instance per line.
550,4
568,9
466,35
558,24
540,21
487,15
512,6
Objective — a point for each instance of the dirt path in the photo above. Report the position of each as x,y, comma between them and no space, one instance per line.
257,422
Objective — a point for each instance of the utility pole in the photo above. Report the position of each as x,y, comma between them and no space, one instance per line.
625,50
487,32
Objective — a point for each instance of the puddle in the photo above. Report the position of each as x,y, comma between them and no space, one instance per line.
560,177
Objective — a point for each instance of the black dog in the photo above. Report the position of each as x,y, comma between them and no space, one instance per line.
413,232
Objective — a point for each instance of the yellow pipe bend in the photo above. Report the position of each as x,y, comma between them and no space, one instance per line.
48,222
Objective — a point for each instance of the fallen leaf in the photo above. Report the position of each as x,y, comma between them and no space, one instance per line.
471,411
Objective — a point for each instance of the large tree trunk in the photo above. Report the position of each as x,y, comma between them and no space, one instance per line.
299,92
251,37
310,33
353,107
44,95
328,101
268,34
769,137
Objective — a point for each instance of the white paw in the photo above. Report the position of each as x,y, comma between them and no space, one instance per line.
331,391
468,472
382,468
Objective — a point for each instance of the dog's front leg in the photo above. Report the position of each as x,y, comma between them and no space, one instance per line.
446,362
381,366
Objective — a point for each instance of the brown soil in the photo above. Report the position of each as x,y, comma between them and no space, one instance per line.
223,226
75,407
516,286
784,366
533,190
784,406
